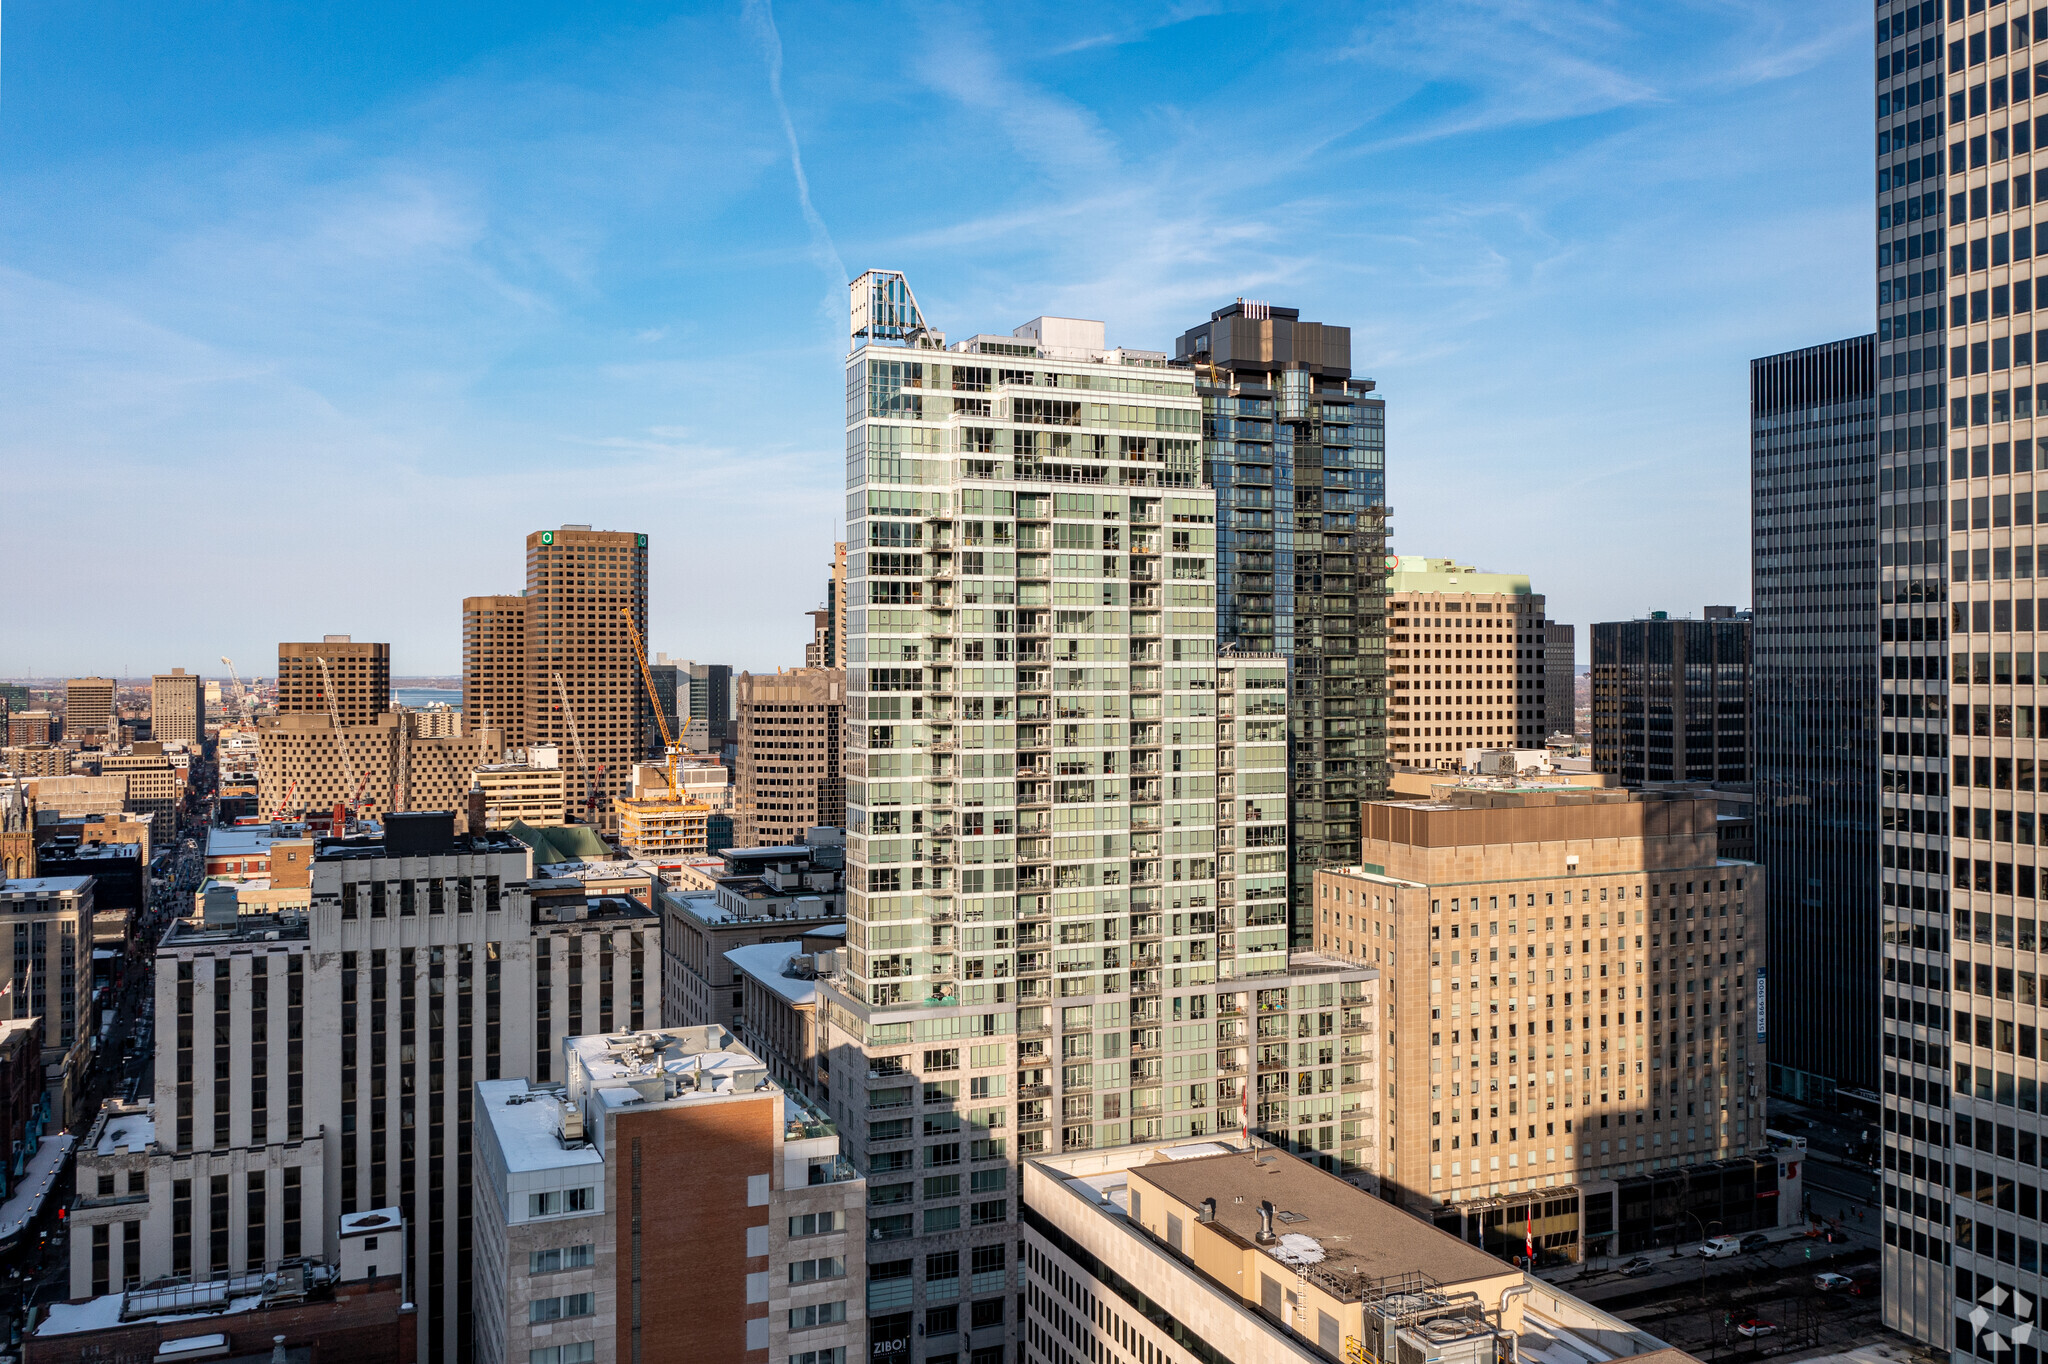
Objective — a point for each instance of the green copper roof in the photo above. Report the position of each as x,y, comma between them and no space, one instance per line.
1414,573
564,843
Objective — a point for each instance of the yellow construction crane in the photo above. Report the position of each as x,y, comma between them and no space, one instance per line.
674,750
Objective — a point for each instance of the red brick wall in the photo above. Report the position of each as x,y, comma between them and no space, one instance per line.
694,1163
362,1325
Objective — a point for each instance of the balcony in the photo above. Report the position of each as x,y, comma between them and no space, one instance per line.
1034,1091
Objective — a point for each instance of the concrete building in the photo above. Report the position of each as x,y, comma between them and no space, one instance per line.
177,708
497,665
763,895
1560,678
37,760
439,947
1814,699
155,786
1444,695
1483,871
1295,448
304,765
788,776
578,582
670,1202
1174,1254
361,673
530,788
778,1016
662,830
1671,698
88,709
50,920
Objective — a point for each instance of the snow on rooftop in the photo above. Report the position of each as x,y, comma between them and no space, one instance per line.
35,1184
132,1132
528,1125
765,961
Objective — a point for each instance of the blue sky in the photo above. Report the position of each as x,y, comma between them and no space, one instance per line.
308,313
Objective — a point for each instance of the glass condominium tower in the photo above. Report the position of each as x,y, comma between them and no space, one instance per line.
1296,451
1959,816
1063,808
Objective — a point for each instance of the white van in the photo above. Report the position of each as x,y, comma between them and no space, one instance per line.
1721,1247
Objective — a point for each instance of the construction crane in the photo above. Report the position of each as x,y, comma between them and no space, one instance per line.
672,748
576,737
348,762
242,694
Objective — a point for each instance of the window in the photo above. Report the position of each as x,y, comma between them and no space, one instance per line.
561,1257
835,1355
817,1223
557,1202
817,1314
562,1308
988,1313
583,1352
811,1271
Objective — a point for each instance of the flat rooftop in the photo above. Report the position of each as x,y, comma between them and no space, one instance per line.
766,963
45,885
1364,1239
248,840
248,928
528,1126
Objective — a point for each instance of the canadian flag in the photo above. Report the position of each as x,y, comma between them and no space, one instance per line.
1529,1233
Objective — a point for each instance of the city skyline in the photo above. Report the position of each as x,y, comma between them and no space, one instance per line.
379,297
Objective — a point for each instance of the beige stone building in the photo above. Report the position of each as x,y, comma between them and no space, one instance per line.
1572,977
88,707
155,786
361,672
1465,662
37,760
523,791
788,777
48,925
495,664
177,708
301,764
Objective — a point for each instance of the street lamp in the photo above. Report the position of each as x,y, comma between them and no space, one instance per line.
1703,1258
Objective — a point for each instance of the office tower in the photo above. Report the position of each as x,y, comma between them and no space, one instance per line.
672,1202
835,653
361,676
788,776
578,582
711,704
51,919
177,708
1465,661
528,788
437,964
1295,448
1956,349
155,787
1627,1096
1814,707
88,707
1671,698
495,665
1033,902
1561,678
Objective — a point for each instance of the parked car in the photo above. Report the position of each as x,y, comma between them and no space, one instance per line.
1756,1240
1756,1326
1832,1282
1640,1265
1721,1247
1864,1281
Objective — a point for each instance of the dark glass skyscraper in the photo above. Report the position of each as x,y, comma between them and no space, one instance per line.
1671,698
1296,451
1814,711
